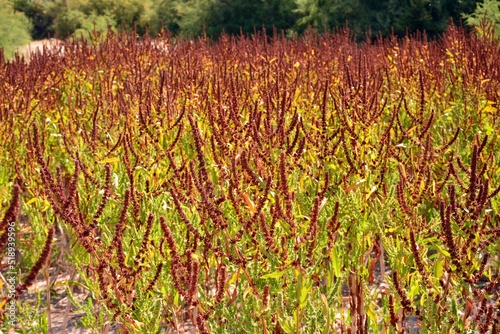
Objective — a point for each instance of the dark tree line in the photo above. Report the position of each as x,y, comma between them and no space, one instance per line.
63,18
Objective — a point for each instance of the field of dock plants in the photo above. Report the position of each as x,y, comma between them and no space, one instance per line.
253,184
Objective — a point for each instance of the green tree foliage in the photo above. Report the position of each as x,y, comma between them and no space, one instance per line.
95,23
14,29
67,16
383,16
34,10
212,17
83,16
232,17
327,13
423,15
161,14
486,13
193,15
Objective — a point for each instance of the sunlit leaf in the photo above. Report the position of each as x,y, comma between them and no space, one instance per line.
277,274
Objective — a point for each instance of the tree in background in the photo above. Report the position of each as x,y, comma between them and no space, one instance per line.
15,29
486,13
68,17
382,16
161,14
431,16
194,15
212,17
327,14
80,17
34,10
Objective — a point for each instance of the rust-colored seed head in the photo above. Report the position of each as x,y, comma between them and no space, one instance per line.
221,282
394,318
10,215
35,270
265,296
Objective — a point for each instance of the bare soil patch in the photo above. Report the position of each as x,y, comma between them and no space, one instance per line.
38,46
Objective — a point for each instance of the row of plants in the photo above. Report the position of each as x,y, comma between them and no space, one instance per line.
257,184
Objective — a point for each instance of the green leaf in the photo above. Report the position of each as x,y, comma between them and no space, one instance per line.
304,292
326,313
303,287
234,277
113,160
442,251
438,267
277,274
335,262
287,327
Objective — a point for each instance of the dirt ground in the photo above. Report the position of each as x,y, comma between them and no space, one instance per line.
65,317
37,45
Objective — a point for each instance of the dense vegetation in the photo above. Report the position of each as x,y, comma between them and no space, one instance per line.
191,18
14,29
256,184
196,17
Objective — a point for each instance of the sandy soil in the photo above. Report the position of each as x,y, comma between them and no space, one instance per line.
38,45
